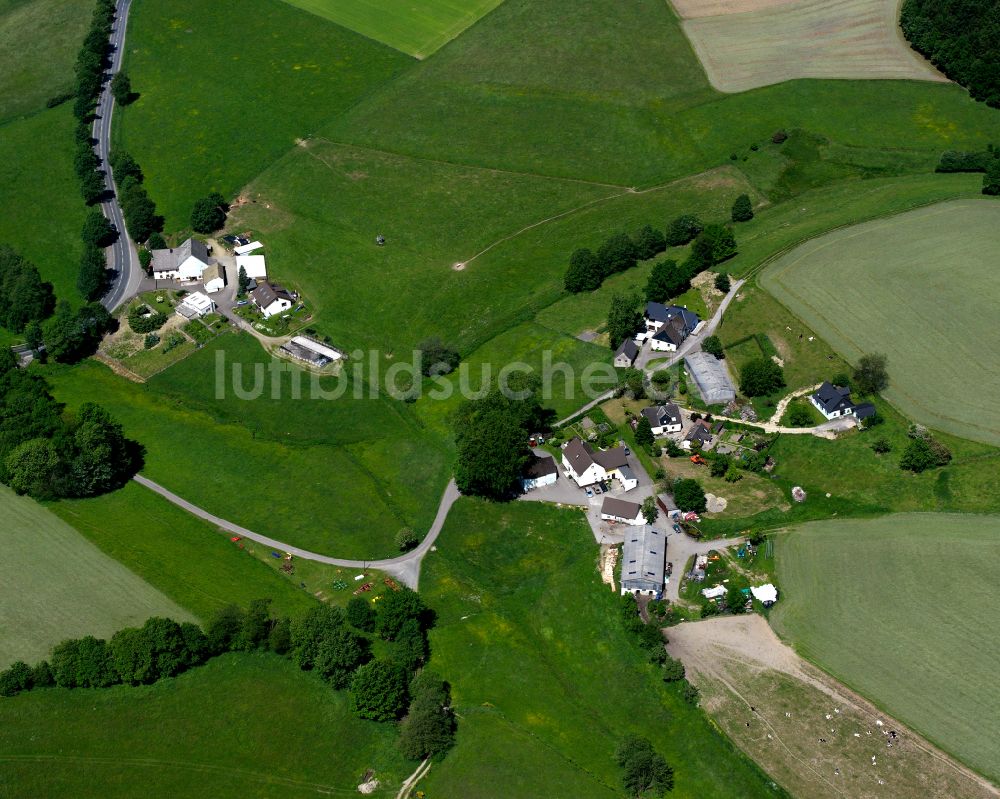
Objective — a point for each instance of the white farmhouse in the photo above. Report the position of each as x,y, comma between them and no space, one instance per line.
186,262
270,300
835,401
586,467
541,471
620,510
664,419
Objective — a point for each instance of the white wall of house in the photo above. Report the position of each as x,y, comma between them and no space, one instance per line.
665,429
276,307
627,483
593,473
834,414
167,275
214,285
623,361
531,483
662,346
191,268
610,517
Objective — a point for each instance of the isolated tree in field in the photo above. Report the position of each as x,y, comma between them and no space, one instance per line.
209,213
918,456
644,771
760,377
713,346
991,180
666,280
361,614
683,230
584,272
378,691
742,209
871,375
617,254
722,282
650,510
407,539
644,433
689,495
121,88
429,726
649,242
624,318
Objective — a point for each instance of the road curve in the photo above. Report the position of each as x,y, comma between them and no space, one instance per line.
124,257
405,568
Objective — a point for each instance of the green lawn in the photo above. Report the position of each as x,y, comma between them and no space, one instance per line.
544,681
922,288
56,585
417,29
898,608
42,209
335,476
242,725
39,40
187,559
226,88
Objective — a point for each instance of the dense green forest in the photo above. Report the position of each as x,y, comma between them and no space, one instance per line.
961,38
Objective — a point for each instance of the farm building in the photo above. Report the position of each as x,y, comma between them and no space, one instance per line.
247,248
270,300
664,418
711,377
214,278
254,265
626,354
835,402
644,562
670,317
312,352
541,471
586,466
620,510
195,305
186,262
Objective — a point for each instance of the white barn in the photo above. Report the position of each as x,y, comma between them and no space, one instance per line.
186,262
255,266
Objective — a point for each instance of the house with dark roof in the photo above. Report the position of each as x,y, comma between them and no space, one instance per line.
644,558
626,354
701,432
270,299
834,402
186,262
664,419
541,471
620,510
680,319
586,466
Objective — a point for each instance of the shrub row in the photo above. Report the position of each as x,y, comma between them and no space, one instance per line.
587,269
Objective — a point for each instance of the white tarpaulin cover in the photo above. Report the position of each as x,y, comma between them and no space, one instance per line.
253,245
766,593
712,593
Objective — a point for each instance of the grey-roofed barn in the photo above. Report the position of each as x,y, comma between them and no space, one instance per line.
711,377
643,561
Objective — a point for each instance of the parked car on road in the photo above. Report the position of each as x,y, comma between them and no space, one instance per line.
589,493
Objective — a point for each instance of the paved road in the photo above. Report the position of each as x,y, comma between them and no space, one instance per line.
124,258
405,568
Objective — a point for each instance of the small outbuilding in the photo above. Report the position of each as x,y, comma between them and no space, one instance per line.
626,354
244,249
620,510
541,471
214,278
254,265
195,306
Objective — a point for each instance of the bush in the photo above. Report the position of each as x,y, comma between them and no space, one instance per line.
437,358
673,670
880,446
742,209
649,242
690,694
799,416
760,377
713,346
689,495
16,678
722,282
779,137
958,161
150,341
145,323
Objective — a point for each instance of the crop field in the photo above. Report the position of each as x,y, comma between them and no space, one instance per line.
287,467
417,29
241,725
35,66
895,608
921,287
266,75
748,43
544,681
57,585
41,197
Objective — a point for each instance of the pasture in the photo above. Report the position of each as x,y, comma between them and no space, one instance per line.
266,74
57,585
241,725
544,680
920,287
39,40
418,30
287,467
894,607
747,44
42,197
185,558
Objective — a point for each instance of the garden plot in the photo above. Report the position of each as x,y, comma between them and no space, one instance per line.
745,44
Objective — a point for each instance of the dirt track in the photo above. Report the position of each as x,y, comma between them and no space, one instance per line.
812,734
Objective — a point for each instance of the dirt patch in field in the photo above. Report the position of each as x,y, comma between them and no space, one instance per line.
810,733
744,44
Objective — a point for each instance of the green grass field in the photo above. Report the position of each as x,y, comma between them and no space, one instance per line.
187,559
339,477
225,89
898,608
56,585
920,287
544,681
242,725
415,29
39,40
43,211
